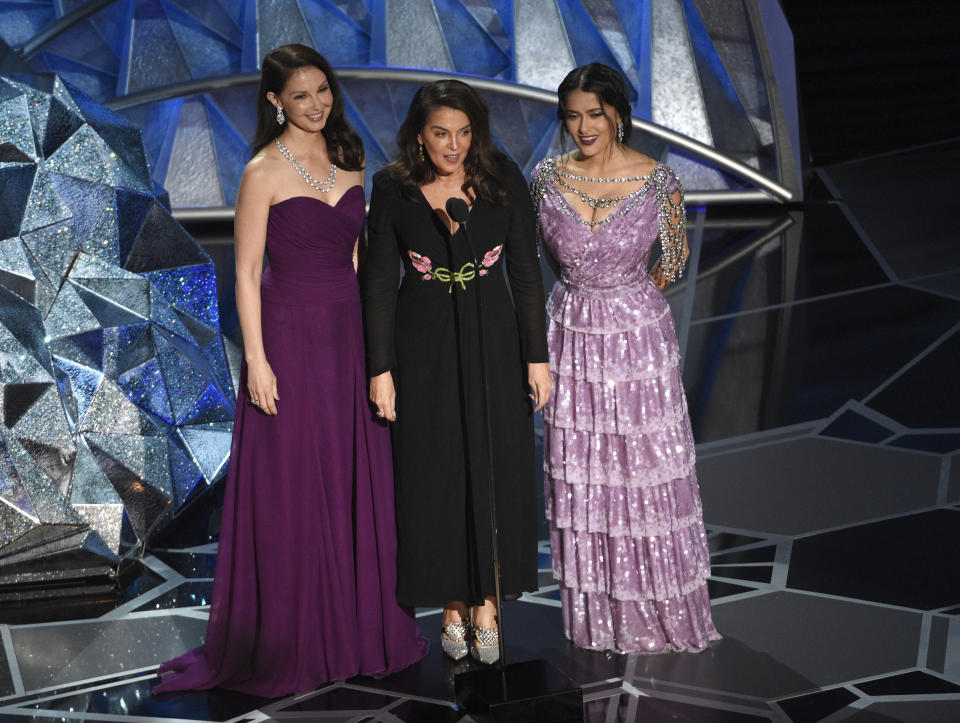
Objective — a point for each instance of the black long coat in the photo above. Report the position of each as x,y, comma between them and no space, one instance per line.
425,333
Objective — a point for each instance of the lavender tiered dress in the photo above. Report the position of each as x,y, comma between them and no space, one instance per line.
627,536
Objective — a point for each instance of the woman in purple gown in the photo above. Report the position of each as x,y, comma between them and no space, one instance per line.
305,588
627,535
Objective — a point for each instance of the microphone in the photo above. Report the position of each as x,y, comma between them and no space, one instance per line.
458,210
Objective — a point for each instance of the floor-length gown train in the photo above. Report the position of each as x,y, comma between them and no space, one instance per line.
305,587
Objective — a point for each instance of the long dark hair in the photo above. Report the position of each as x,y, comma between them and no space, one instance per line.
609,87
481,166
343,143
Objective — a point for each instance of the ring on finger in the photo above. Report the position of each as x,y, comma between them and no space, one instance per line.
380,413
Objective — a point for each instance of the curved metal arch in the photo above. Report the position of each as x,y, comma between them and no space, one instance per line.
771,190
62,25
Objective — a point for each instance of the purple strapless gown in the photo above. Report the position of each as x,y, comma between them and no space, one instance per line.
626,525
305,588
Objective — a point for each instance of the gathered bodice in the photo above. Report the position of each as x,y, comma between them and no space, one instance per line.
310,247
614,255
604,286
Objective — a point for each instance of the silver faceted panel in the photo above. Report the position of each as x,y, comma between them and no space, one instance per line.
116,393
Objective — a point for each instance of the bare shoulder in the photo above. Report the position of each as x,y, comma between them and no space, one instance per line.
260,178
637,163
567,160
261,172
265,163
351,178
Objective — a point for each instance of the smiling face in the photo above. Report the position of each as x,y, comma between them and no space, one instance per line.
306,99
591,125
446,140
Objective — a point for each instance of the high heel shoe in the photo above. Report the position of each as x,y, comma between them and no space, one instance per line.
486,645
453,639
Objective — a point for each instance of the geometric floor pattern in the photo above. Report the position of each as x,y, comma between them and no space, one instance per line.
821,366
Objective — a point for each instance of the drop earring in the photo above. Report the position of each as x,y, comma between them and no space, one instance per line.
420,153
619,131
280,118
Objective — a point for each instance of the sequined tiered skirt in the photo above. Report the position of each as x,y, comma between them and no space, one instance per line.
626,525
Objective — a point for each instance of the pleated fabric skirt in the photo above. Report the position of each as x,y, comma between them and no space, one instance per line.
305,587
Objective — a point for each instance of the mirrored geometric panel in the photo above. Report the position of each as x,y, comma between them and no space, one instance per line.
858,562
697,67
748,263
198,144
851,425
799,362
928,393
116,391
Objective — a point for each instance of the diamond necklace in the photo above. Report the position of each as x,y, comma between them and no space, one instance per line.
596,201
590,179
322,186
631,199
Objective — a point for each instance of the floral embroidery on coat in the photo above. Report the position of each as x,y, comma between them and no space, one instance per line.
424,266
490,258
421,263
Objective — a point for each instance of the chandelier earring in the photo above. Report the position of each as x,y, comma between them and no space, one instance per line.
420,153
619,131
280,117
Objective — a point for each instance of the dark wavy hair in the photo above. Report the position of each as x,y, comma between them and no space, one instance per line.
604,82
343,143
481,166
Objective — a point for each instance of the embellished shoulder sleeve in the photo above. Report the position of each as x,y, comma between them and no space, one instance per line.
542,173
672,218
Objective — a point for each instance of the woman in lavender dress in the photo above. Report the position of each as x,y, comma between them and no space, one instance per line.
305,588
627,535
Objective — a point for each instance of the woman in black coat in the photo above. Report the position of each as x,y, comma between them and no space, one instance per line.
424,360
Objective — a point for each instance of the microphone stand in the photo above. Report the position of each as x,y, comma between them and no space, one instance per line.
458,211
525,691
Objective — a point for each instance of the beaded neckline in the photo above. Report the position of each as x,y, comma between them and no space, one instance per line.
627,201
671,215
590,179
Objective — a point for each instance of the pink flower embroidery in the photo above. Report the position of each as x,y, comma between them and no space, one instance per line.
420,263
483,272
491,257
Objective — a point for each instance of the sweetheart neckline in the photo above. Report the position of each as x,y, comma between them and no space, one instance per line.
314,198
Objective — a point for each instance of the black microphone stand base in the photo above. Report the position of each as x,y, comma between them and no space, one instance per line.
519,692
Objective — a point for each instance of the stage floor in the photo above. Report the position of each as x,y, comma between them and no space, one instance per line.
821,347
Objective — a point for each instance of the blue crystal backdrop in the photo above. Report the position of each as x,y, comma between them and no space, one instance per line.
116,392
699,67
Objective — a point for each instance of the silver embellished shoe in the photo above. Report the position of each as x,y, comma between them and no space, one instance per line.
486,645
453,639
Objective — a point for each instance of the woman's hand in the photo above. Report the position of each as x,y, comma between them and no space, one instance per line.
538,376
659,277
262,387
384,396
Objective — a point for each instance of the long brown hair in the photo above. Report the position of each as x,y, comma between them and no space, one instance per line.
481,166
343,143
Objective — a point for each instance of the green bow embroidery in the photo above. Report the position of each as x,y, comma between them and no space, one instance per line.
466,273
